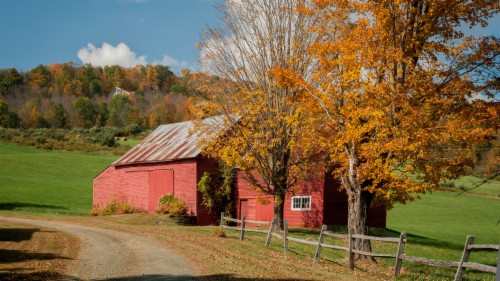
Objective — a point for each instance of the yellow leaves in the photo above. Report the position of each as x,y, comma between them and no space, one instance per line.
287,78
304,10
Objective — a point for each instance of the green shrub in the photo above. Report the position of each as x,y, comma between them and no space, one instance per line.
448,184
41,140
115,207
5,135
217,191
168,204
100,136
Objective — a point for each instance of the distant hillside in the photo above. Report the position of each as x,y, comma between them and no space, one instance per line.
68,96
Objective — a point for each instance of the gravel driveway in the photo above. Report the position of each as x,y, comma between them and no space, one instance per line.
113,255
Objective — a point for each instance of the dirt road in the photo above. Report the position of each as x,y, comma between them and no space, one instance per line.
113,255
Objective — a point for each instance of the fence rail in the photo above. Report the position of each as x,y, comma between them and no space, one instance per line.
399,256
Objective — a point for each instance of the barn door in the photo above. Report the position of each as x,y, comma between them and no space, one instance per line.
161,182
243,209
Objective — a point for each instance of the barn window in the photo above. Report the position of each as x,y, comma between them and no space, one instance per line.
301,203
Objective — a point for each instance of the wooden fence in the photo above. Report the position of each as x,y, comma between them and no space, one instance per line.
399,256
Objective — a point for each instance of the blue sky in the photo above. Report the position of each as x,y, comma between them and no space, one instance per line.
124,32
36,32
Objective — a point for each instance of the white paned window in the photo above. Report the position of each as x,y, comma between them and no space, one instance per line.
301,203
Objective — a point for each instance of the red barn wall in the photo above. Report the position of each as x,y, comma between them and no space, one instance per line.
335,212
328,204
131,183
247,203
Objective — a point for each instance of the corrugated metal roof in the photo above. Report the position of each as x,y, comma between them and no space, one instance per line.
169,142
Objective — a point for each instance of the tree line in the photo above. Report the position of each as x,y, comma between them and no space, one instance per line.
62,95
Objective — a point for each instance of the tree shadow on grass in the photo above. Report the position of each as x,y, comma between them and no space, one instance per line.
18,274
12,256
413,239
18,205
17,234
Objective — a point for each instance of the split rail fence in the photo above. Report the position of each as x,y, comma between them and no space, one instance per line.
399,256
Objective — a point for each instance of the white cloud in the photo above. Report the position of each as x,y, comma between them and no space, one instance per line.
172,62
110,55
123,56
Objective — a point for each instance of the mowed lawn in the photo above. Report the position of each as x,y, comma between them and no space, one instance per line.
449,216
35,180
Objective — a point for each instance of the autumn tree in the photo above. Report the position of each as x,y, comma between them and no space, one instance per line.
58,117
120,109
103,114
86,111
41,76
4,114
398,87
9,78
113,77
30,113
89,81
63,74
185,84
265,123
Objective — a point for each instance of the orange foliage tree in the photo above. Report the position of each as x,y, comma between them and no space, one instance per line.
397,87
266,123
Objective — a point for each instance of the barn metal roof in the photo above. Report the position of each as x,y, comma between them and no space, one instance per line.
170,142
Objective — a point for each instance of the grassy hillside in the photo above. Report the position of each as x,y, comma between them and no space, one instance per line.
449,216
40,181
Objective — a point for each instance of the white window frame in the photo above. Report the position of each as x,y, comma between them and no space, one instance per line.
301,203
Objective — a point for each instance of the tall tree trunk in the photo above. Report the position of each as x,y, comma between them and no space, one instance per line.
358,203
279,204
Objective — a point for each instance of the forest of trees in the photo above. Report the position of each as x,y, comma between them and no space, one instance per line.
69,96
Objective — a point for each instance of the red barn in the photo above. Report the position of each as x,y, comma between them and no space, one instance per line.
169,161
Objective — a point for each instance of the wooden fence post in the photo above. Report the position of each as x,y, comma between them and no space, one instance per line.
318,248
242,234
401,249
270,233
221,219
285,236
497,278
351,254
464,259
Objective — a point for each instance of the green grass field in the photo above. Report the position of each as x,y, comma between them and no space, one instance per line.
129,142
479,186
449,216
40,181
439,223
